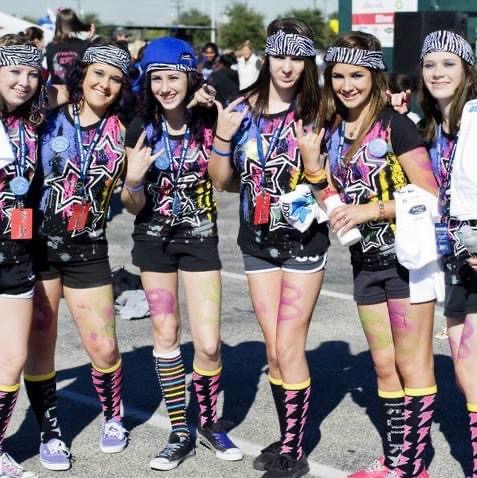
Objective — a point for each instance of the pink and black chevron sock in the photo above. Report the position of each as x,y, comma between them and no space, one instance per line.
392,408
41,391
171,375
419,404
207,388
108,384
472,410
296,404
8,398
278,393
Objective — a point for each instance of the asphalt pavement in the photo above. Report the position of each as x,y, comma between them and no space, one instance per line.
342,430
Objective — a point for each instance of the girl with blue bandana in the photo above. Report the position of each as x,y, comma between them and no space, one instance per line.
169,190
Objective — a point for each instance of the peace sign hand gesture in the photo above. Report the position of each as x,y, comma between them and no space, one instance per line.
229,120
139,161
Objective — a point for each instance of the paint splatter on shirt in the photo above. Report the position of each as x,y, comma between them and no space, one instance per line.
15,251
283,171
61,180
442,169
368,178
198,212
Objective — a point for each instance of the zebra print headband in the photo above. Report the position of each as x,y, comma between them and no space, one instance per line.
356,56
108,55
25,55
289,44
443,40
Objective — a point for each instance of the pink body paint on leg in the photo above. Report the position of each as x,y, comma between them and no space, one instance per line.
290,297
467,333
397,315
161,301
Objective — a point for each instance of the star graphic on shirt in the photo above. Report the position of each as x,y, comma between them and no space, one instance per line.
375,238
361,183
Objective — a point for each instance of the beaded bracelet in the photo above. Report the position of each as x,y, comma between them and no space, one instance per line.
134,189
218,152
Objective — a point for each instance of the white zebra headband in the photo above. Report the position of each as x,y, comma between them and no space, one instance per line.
289,44
356,56
444,40
108,55
25,55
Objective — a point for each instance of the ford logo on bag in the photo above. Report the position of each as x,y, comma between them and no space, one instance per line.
419,209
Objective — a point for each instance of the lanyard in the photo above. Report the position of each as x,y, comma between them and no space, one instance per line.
183,156
341,143
273,142
446,182
20,151
85,156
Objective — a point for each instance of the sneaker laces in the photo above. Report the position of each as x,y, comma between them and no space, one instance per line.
10,466
114,429
58,447
393,474
223,440
170,449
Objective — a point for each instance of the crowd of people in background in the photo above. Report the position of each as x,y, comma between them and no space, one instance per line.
85,114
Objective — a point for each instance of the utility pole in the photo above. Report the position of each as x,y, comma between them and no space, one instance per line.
212,21
177,4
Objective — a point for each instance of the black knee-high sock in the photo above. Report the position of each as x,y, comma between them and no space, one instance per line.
278,394
41,391
419,405
392,407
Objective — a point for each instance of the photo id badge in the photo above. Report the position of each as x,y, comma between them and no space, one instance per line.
22,223
262,209
442,239
79,217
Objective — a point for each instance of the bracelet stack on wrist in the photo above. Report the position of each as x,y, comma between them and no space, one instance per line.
219,152
134,189
381,213
318,179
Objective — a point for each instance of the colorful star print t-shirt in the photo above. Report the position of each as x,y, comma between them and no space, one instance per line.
374,174
14,251
282,172
61,178
442,169
196,216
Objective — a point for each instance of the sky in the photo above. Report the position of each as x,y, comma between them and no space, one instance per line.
157,12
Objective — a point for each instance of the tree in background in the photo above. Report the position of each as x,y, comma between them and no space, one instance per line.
195,18
324,36
243,23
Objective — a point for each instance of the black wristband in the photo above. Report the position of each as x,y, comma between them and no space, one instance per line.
223,139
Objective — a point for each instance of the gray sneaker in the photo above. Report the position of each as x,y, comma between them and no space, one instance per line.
178,449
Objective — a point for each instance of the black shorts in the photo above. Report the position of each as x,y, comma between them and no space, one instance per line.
304,265
374,287
16,279
461,290
193,255
76,274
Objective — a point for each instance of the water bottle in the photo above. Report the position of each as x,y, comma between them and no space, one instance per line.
332,200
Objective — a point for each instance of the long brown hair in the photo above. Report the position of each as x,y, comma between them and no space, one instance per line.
467,90
332,110
67,24
33,111
308,93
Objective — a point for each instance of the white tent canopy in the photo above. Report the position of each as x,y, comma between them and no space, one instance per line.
11,24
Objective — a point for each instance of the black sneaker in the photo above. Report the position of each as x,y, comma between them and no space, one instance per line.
178,449
215,438
284,466
263,461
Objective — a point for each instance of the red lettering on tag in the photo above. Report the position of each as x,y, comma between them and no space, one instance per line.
79,217
22,223
262,209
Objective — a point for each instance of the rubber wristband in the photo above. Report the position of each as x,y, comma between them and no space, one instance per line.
223,139
135,189
218,152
